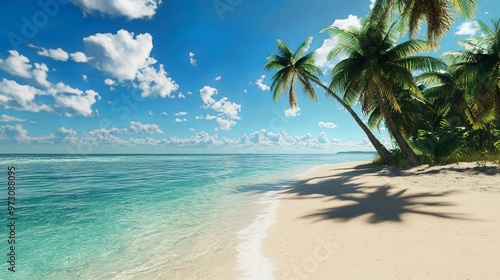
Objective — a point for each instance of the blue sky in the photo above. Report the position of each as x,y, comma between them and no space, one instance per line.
152,76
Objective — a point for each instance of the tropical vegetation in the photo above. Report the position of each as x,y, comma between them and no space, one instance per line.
436,110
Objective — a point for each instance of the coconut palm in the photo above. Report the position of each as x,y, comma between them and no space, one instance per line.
438,14
478,67
375,66
299,68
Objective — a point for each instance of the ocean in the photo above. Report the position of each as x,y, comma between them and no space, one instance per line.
144,216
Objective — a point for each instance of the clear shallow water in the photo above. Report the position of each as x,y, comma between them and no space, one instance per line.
136,216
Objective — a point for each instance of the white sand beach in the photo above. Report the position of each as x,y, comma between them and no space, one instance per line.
359,221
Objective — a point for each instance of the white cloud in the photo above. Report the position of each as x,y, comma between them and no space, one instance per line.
164,113
192,129
180,120
131,9
20,97
329,125
192,59
17,65
321,54
67,101
372,4
468,28
292,112
181,113
74,101
181,95
351,20
225,124
85,78
150,113
189,93
139,128
109,50
207,117
21,135
79,57
223,106
40,74
110,82
218,78
119,55
56,54
260,83
155,83
6,118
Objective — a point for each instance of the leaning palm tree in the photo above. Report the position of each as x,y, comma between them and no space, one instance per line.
299,68
375,66
438,14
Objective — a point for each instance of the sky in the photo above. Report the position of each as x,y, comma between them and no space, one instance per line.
164,76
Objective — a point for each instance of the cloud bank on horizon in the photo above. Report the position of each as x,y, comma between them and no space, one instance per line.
144,80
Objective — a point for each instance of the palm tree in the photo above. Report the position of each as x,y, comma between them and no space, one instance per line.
438,14
478,67
299,68
374,68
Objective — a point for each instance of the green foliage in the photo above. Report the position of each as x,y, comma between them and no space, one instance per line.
442,140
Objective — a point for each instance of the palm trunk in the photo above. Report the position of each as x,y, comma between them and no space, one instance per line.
381,149
491,140
396,133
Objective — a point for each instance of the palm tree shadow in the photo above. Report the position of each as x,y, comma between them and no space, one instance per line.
359,198
382,206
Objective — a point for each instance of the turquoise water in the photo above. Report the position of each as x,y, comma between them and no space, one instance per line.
137,216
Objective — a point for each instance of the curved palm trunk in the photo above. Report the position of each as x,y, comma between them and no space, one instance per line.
381,149
407,150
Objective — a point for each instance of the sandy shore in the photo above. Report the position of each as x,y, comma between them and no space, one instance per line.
357,221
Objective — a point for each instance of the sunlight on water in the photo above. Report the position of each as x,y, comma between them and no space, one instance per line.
125,217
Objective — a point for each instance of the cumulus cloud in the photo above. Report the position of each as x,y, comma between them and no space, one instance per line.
292,112
79,57
223,106
139,128
351,20
178,120
467,28
20,134
55,54
321,54
85,78
66,100
329,125
119,55
109,50
181,95
218,78
261,85
181,113
224,124
110,82
131,9
17,65
207,117
6,118
192,59
20,97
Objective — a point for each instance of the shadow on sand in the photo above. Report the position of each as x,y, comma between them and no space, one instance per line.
381,203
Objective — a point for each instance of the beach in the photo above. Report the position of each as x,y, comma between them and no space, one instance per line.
360,221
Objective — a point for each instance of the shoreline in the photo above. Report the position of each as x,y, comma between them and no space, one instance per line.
361,221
